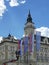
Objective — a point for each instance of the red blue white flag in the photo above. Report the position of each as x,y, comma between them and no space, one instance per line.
25,44
20,47
31,42
19,41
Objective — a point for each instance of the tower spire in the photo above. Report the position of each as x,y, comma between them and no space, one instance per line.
29,15
29,26
29,18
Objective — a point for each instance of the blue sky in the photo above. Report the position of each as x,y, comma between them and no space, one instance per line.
13,15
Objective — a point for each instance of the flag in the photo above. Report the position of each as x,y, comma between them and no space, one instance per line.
20,47
38,38
31,42
19,41
25,44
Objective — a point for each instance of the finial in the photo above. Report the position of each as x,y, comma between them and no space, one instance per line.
29,15
29,12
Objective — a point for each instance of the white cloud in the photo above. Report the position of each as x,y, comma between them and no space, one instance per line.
2,7
23,35
13,3
16,2
23,1
44,31
1,38
15,37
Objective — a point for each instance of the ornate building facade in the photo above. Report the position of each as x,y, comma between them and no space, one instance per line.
9,45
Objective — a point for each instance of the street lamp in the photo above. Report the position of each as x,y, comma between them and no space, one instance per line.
17,54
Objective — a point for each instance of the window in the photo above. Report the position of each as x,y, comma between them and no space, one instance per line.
46,50
41,57
37,57
48,40
41,49
45,41
3,48
46,58
42,39
34,37
11,48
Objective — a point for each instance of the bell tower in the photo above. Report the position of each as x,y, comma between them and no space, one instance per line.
29,25
30,29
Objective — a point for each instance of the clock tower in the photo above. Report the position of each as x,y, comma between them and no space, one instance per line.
30,29
29,25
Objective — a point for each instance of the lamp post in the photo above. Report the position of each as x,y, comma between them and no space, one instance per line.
17,54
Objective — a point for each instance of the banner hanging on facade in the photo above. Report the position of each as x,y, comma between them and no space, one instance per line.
20,47
31,43
38,40
25,44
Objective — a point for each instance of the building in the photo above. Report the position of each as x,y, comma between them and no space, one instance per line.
9,45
